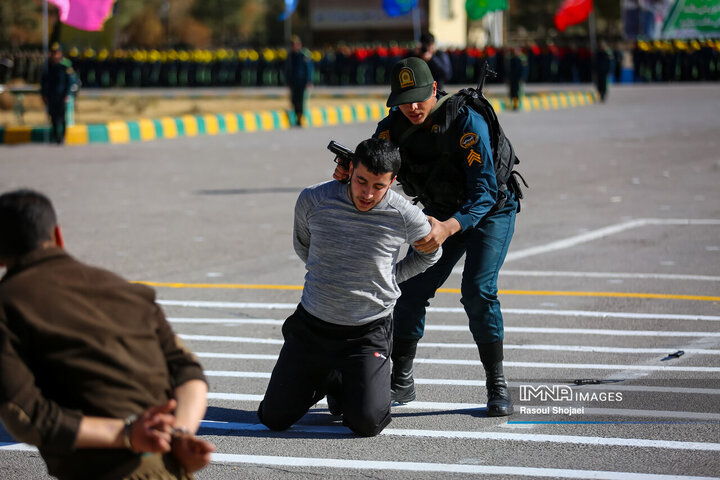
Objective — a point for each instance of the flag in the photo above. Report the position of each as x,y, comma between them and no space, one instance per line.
476,9
290,6
84,14
693,19
572,12
395,8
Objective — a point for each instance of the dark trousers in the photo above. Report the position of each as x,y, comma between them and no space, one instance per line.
602,85
297,98
485,247
313,351
56,110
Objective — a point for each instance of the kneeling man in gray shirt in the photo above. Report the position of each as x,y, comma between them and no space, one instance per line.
339,339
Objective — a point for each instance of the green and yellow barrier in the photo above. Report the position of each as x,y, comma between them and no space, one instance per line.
145,129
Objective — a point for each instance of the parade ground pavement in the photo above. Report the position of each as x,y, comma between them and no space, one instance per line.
614,268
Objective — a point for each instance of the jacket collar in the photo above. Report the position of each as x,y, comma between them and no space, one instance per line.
33,258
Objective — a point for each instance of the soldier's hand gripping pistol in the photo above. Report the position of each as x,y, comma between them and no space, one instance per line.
343,157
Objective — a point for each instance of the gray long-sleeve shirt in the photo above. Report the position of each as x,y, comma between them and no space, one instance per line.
351,256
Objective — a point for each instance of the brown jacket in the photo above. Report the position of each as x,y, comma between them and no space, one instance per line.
77,340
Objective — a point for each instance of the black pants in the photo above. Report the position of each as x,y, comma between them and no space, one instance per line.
297,98
56,110
314,350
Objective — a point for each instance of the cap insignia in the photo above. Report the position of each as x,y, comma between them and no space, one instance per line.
407,78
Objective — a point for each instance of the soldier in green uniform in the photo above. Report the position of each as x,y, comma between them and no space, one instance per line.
56,84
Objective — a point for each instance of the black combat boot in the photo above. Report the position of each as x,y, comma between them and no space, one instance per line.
402,385
499,403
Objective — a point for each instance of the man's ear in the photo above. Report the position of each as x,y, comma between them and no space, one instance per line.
58,237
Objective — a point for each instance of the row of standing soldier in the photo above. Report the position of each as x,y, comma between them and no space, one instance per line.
652,61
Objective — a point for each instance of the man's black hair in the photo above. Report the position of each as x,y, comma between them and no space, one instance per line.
378,156
27,220
427,38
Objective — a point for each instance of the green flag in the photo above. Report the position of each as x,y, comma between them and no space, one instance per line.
693,19
476,9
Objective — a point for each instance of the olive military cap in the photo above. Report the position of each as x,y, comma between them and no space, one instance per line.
410,81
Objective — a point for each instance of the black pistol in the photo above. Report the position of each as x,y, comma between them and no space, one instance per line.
343,155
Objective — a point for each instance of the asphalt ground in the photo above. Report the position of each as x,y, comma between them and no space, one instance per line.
615,265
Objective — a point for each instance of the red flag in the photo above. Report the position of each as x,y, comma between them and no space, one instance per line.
572,12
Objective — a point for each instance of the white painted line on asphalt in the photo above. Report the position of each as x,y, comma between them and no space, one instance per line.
613,386
224,338
599,331
415,466
574,348
472,346
590,314
441,467
569,439
209,304
576,366
238,397
236,374
481,383
611,275
460,310
473,435
464,328
236,356
459,406
227,321
604,232
572,366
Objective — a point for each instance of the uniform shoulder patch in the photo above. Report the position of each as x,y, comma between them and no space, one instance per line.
384,135
474,156
468,140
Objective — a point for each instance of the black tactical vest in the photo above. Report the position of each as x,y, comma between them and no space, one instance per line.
434,176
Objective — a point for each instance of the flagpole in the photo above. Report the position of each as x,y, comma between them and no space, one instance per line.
46,135
416,22
593,44
45,27
499,21
288,29
593,34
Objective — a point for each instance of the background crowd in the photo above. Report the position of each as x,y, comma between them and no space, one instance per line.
667,60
